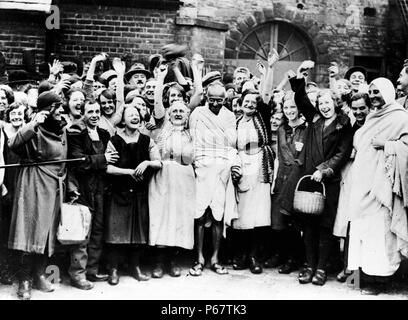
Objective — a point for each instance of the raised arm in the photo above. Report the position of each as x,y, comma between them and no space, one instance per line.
298,85
333,73
273,57
197,66
89,80
179,76
283,82
262,71
120,67
55,70
159,111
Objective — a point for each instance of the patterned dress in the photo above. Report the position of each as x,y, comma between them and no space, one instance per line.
172,191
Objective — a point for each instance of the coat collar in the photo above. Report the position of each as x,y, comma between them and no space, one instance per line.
341,121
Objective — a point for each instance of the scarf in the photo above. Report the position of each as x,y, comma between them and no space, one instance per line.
265,142
54,126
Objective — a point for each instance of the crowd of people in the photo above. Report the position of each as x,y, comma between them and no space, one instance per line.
168,152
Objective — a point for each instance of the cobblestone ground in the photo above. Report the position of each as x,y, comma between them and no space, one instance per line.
237,285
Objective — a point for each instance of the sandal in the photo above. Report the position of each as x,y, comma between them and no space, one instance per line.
197,269
219,269
320,277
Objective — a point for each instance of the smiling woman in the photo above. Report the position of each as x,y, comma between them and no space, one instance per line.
327,106
327,147
290,141
127,217
75,101
378,227
172,193
254,187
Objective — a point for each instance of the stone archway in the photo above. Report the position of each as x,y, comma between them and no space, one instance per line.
294,25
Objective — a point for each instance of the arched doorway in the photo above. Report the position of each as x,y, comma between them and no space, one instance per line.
292,44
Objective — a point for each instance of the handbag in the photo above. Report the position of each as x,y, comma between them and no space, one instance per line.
75,222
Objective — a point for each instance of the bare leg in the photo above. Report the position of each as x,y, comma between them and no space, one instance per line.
216,239
200,241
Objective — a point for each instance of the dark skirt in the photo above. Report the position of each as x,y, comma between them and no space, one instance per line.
328,217
127,218
279,219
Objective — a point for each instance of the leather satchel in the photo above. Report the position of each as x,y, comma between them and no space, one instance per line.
75,223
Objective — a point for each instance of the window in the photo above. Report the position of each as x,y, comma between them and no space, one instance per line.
292,45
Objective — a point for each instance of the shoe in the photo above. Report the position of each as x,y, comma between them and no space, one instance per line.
175,270
240,264
273,261
139,275
158,271
24,290
373,289
82,284
288,267
319,278
255,266
303,268
113,278
96,277
43,284
342,276
306,275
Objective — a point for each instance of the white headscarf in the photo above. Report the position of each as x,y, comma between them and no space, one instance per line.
386,89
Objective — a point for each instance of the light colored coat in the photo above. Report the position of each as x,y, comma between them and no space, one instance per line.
36,207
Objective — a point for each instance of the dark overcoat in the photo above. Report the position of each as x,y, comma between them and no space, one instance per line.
288,155
89,175
326,149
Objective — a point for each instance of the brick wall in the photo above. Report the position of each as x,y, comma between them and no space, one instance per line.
19,32
114,30
88,29
210,43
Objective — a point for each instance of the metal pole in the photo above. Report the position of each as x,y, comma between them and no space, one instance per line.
31,164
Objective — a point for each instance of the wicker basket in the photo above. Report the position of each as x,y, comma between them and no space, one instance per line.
309,202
